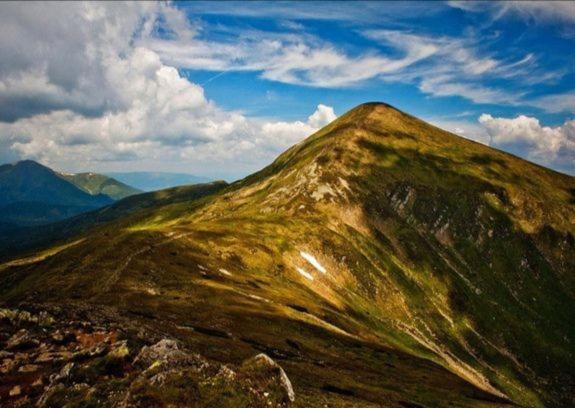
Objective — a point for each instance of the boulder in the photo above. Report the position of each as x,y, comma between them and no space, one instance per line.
15,391
266,377
167,352
21,340
28,368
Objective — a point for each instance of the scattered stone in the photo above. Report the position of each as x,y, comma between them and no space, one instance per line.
119,350
57,336
38,383
7,366
64,375
53,357
21,340
15,391
45,320
167,352
51,363
28,368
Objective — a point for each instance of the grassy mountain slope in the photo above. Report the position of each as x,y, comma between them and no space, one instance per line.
382,259
95,184
19,240
32,194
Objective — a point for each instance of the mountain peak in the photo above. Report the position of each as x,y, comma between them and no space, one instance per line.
368,108
29,163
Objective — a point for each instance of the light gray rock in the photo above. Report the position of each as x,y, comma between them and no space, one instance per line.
269,377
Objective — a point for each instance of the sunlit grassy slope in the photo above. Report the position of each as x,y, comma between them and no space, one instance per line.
94,184
383,260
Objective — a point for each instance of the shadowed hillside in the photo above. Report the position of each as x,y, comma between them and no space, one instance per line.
32,194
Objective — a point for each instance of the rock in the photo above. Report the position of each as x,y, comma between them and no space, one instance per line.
66,370
28,368
16,317
53,357
167,352
8,315
45,320
7,366
38,383
49,394
226,374
119,350
266,375
64,376
21,340
15,391
63,338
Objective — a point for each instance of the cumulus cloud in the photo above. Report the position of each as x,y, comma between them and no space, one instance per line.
86,95
544,144
50,65
469,130
322,116
523,135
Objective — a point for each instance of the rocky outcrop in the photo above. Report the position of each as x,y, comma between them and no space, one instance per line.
81,363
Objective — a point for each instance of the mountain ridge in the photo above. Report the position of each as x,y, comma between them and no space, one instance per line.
33,194
96,184
379,227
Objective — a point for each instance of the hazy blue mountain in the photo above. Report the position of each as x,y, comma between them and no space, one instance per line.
151,181
32,194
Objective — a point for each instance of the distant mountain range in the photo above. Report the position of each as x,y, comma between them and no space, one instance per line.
94,184
383,261
152,181
32,194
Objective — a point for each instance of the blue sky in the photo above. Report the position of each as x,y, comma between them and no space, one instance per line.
221,88
507,39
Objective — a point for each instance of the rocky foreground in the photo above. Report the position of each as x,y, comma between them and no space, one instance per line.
55,358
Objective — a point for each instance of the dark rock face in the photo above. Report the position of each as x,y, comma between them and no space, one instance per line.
47,362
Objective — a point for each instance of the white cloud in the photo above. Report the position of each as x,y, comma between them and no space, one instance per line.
469,130
322,116
119,102
544,144
56,55
297,58
283,57
525,136
564,102
366,12
542,11
459,67
449,85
